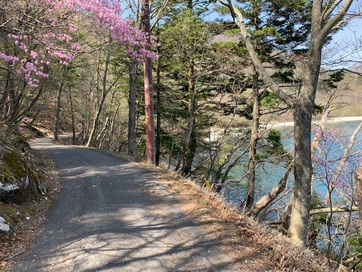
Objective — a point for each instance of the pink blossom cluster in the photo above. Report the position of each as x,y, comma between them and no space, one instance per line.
10,59
39,49
107,14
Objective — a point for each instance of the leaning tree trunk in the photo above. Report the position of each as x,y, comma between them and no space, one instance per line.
267,199
105,91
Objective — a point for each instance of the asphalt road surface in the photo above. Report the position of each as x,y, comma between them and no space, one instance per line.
114,216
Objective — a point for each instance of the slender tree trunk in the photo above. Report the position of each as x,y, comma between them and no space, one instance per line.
57,111
95,122
132,135
191,139
17,98
35,116
72,115
112,128
173,130
190,151
253,144
102,133
8,97
358,181
104,93
20,116
158,110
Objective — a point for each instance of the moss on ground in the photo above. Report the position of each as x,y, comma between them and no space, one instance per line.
15,164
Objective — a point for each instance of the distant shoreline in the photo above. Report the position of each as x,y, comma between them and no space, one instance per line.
329,120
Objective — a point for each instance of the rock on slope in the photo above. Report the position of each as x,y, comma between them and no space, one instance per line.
20,179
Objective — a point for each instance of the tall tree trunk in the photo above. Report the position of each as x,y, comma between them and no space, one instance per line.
102,134
132,135
158,109
72,115
104,93
191,140
250,189
57,111
150,126
95,123
112,127
7,99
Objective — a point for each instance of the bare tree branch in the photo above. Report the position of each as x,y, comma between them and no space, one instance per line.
333,210
336,19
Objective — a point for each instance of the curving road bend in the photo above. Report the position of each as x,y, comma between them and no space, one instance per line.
113,216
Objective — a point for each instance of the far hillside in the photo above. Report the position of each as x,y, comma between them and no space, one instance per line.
348,95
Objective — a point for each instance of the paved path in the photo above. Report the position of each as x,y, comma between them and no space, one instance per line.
113,216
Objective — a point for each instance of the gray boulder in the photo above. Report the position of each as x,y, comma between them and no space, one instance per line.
4,226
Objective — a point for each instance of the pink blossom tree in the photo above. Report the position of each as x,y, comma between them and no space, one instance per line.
40,34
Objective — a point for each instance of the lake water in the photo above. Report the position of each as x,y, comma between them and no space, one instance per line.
268,174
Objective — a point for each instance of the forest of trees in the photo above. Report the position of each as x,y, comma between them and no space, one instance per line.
203,87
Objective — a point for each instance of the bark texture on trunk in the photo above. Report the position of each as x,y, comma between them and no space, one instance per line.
358,181
104,93
158,109
250,189
298,228
149,112
72,116
132,135
191,139
190,151
57,111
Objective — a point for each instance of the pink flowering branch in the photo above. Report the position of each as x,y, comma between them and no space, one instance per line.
50,39
106,14
34,47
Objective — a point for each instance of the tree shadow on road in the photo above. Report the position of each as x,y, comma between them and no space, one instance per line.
113,216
